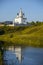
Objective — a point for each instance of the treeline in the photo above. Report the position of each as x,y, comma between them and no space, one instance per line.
9,29
35,23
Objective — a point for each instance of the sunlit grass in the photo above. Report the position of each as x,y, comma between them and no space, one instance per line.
24,36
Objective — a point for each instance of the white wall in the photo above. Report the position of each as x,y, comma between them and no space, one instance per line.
19,20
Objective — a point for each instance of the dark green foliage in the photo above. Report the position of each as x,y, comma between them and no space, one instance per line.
32,23
2,32
39,23
1,51
1,46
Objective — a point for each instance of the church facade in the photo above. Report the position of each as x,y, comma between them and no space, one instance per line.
20,19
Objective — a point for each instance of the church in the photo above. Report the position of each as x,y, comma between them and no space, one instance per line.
20,19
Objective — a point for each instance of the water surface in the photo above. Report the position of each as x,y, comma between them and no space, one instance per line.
30,56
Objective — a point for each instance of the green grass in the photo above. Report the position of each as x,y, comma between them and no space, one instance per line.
24,36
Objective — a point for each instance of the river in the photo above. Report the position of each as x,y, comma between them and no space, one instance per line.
24,56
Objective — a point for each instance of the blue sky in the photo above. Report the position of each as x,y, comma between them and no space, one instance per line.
33,9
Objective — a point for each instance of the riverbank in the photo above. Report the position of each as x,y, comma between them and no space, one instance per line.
0,59
23,36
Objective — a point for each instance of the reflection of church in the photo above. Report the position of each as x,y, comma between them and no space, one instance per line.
20,19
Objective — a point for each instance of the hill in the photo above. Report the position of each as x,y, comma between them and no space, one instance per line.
23,35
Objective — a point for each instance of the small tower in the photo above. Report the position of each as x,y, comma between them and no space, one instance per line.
21,13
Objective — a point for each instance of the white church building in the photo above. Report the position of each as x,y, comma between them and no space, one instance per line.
20,19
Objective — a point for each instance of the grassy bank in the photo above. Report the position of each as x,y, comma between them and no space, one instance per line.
23,36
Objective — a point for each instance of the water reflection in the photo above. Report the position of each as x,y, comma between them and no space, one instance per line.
30,56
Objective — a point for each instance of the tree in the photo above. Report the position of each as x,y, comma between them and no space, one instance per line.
38,22
32,23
